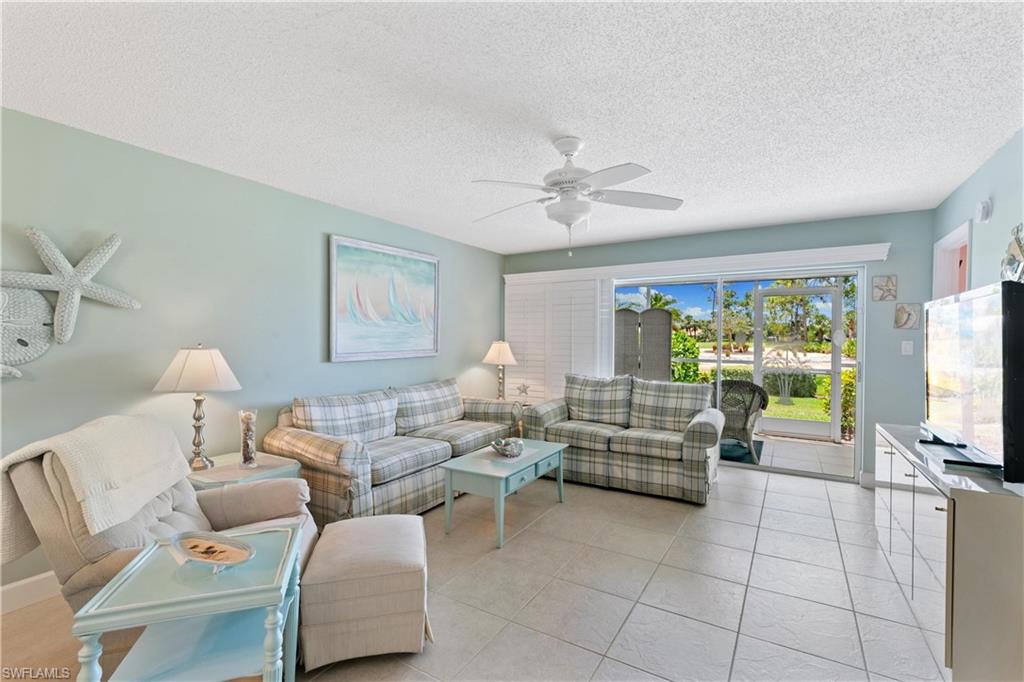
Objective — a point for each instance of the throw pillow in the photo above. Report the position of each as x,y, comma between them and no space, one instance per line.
423,405
597,399
666,405
364,417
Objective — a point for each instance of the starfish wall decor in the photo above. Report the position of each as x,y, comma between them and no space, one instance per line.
71,283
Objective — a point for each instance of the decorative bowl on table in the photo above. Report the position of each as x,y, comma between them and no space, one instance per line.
508,447
212,549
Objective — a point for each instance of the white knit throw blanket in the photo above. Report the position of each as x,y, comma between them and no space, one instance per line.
115,465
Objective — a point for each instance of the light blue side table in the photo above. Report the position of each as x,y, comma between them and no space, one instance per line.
228,469
200,626
485,472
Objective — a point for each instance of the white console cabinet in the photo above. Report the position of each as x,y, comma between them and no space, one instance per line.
955,540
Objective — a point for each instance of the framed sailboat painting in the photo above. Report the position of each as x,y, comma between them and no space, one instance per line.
384,301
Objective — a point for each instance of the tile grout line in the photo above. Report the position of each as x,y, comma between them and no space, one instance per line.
849,591
641,593
746,590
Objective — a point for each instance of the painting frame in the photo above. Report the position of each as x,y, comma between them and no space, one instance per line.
908,316
884,288
335,337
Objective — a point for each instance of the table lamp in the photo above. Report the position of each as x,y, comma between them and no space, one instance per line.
198,369
500,354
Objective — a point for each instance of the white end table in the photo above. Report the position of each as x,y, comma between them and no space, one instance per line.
228,469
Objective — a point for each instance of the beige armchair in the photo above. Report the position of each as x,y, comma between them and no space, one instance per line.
84,563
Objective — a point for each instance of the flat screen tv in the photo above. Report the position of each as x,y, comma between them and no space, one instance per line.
974,354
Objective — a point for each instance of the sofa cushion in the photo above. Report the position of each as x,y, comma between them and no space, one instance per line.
580,434
594,399
463,435
422,405
363,417
649,443
173,511
666,405
398,456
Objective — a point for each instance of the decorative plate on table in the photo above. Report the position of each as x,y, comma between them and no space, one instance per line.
213,549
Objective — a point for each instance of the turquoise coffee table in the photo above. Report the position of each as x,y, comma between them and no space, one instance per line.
200,626
485,472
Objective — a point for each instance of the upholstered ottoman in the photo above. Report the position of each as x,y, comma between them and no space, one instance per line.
364,591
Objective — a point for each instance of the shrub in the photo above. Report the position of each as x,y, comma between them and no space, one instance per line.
850,348
817,347
848,416
684,346
802,384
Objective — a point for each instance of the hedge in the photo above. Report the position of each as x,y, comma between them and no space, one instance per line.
803,384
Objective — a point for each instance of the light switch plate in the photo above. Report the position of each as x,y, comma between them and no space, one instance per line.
907,347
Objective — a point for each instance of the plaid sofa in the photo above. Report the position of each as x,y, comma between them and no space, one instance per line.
378,452
654,437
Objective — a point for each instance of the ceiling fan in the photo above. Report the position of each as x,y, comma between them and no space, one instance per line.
572,190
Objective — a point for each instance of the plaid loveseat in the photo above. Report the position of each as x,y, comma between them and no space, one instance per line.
653,437
377,452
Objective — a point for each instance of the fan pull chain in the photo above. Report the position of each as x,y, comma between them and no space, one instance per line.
569,229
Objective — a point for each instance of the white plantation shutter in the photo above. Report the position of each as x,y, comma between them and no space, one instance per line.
526,333
553,329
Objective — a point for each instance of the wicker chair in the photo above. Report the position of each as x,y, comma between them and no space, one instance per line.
742,402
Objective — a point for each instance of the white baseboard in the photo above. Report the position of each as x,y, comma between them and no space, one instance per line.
34,589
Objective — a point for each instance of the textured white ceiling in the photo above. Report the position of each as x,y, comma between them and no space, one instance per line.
753,113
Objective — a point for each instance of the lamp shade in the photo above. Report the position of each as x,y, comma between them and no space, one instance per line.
195,370
499,354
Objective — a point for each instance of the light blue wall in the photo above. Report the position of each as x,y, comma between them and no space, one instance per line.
213,258
893,383
1002,179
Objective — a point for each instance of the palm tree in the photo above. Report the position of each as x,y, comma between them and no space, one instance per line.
660,299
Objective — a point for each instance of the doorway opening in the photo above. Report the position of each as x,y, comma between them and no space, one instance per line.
794,337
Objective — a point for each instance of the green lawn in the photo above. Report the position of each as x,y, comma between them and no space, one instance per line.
812,409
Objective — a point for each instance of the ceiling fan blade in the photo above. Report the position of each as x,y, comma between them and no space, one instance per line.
531,201
524,185
637,199
616,175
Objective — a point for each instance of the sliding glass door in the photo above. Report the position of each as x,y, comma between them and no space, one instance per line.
793,335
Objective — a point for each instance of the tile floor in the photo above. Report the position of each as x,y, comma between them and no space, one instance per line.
819,457
777,578
760,584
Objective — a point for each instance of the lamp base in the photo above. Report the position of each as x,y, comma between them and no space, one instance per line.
200,462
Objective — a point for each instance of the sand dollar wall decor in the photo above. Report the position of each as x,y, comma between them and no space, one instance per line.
72,284
27,328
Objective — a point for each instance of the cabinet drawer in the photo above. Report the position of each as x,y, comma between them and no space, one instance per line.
519,479
547,465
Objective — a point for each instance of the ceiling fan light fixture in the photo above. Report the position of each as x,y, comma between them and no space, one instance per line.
568,212
575,188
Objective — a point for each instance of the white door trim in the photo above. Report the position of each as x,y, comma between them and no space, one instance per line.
945,254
